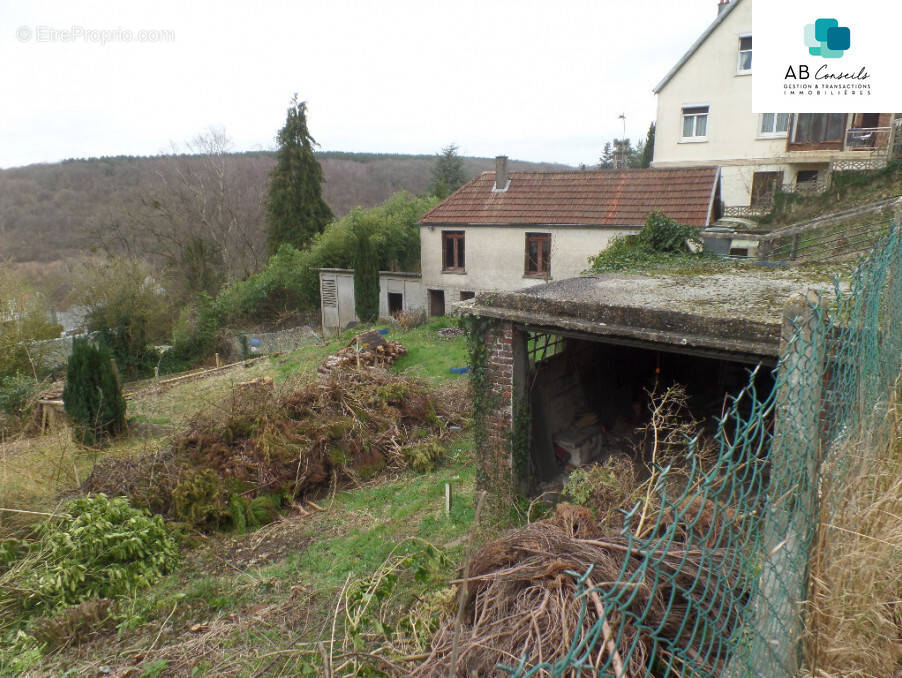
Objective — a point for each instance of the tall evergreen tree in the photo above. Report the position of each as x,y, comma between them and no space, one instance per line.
92,396
648,151
366,272
606,160
295,209
448,173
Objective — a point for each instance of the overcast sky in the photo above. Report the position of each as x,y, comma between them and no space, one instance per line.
532,79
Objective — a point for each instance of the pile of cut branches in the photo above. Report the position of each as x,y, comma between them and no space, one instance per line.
546,598
583,594
350,428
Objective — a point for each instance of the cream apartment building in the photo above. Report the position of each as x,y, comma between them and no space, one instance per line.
704,117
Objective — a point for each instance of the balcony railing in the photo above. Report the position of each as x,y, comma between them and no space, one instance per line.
868,138
747,211
806,187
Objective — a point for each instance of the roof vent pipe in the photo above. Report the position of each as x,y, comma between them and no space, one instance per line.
501,179
722,5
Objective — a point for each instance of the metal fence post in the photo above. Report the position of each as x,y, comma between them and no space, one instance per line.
794,247
791,513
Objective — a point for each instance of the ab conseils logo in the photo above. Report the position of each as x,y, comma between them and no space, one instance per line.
827,39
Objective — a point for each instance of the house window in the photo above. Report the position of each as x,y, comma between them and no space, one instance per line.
695,122
453,251
538,254
745,54
818,128
774,124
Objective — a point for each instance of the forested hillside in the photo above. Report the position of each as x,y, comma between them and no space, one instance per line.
55,211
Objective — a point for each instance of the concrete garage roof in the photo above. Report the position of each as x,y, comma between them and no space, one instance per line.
736,315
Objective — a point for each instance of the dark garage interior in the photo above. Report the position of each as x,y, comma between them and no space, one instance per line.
587,398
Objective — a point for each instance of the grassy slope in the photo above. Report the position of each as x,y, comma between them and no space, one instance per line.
847,190
275,590
287,575
34,471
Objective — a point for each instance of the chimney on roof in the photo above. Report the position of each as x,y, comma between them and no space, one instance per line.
501,178
722,5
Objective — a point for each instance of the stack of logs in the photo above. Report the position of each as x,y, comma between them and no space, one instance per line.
369,349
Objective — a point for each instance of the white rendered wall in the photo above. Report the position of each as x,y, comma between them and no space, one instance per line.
495,256
710,78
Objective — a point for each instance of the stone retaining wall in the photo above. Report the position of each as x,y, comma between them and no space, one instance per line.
262,343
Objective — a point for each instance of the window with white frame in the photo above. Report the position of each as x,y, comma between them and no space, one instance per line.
745,54
774,124
695,122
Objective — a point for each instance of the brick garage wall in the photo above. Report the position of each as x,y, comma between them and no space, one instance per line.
495,462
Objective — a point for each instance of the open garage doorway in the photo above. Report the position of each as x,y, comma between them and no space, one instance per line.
590,400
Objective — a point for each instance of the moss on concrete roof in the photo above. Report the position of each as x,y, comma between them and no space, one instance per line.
739,309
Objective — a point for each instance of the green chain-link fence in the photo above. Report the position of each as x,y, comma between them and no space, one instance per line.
719,588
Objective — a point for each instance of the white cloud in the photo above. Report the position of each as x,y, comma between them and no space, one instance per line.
531,79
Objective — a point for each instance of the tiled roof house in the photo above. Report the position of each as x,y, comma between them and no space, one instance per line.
507,231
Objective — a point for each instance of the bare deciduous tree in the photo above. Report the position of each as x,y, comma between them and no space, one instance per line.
202,218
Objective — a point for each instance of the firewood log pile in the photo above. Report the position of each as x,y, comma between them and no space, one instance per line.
369,349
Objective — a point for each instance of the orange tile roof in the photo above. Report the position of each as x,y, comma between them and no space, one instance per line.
581,198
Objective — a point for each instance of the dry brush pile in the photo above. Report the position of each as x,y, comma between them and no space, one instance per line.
539,598
854,623
237,473
577,595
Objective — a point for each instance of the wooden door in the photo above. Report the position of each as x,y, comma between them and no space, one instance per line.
764,186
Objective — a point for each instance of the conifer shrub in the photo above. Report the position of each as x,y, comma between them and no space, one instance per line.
97,547
366,276
92,396
17,394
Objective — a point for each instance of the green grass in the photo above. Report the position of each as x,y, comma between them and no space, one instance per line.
847,190
382,516
214,589
264,575
34,471
429,354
